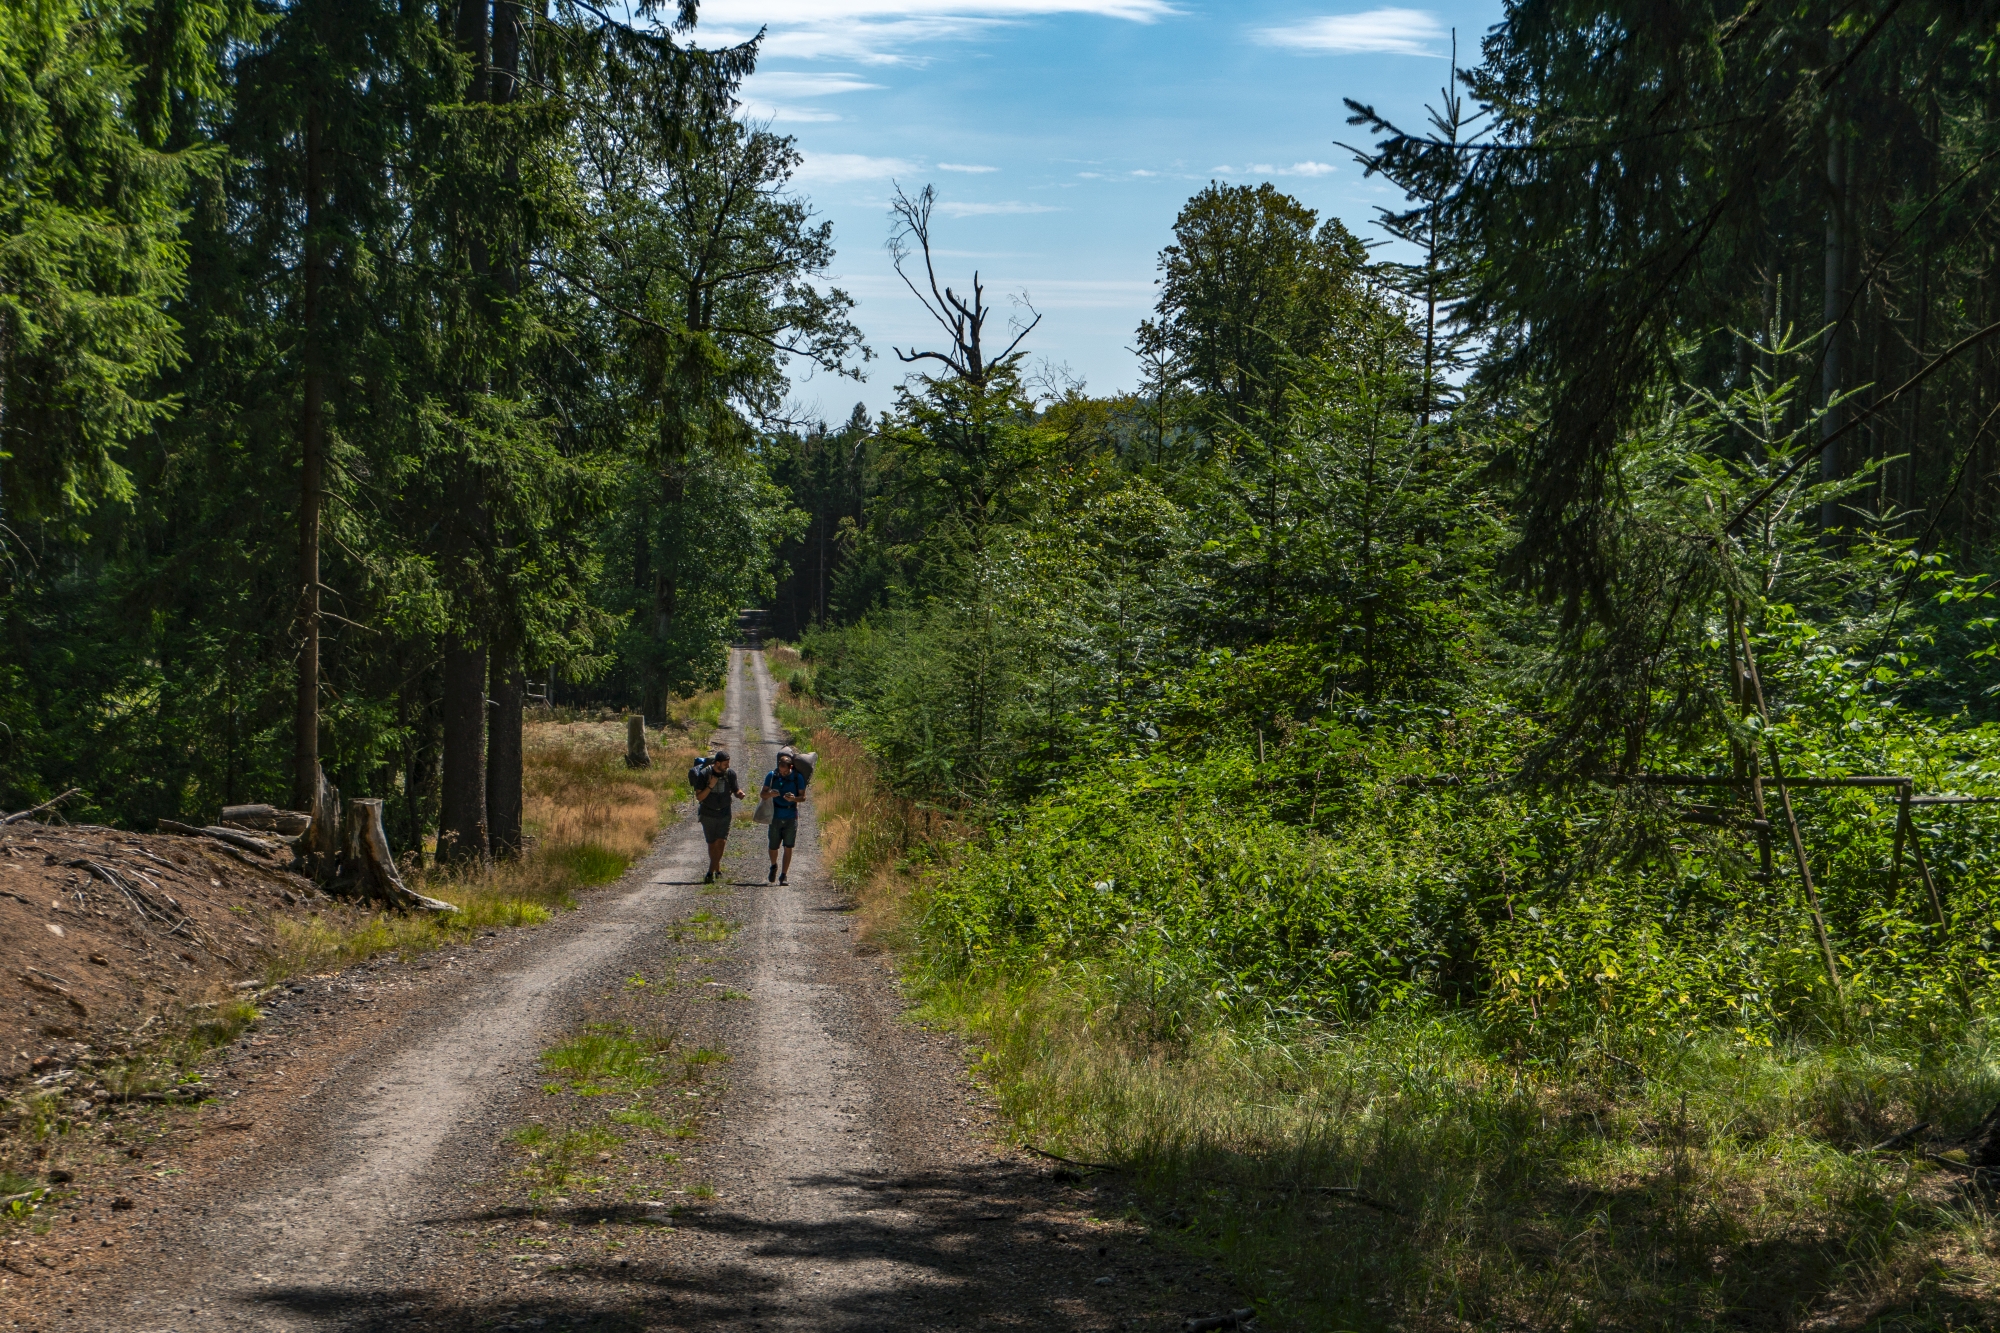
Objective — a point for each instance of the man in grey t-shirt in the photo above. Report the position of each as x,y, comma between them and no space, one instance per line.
715,810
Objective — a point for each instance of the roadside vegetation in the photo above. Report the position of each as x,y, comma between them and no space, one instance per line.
1441,948
1458,1052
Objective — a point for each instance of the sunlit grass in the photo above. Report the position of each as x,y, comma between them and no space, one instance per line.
1404,1174
587,817
611,1055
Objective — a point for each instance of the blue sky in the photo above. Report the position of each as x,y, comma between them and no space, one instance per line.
1064,135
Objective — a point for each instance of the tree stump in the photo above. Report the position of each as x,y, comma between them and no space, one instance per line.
370,867
635,742
319,847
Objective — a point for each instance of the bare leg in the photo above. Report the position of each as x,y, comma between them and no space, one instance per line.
715,850
788,861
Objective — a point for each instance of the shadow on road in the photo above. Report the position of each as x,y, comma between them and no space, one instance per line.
964,1247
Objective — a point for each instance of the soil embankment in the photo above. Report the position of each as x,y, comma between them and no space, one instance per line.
678,1107
104,931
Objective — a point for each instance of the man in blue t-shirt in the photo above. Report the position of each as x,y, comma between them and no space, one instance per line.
786,787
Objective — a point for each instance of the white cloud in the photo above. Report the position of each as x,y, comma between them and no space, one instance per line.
965,166
756,110
952,209
885,32
1398,32
796,83
841,168
1306,168
766,96
753,13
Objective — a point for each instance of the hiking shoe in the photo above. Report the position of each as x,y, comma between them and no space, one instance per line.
781,879
773,875
708,877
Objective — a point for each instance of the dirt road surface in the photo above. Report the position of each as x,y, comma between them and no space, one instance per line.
367,1163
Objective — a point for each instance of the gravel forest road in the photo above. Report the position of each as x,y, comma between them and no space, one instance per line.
360,1171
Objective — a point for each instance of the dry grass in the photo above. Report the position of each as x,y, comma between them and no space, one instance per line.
587,816
873,840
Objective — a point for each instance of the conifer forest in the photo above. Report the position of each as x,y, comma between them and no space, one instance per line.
1539,673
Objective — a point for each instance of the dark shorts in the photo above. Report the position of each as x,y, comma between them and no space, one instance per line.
714,828
784,833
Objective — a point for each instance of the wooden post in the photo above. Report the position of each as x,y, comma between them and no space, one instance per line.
635,742
1924,871
1896,852
1805,871
1753,688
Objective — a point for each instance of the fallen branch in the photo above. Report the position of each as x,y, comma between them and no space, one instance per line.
49,988
45,805
1351,1193
1070,1161
1234,1319
1966,1167
138,900
1897,1142
226,835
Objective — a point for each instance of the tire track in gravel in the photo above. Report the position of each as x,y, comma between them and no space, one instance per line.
331,1216
858,1184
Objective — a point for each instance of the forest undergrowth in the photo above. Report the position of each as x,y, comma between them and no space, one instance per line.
1170,994
588,817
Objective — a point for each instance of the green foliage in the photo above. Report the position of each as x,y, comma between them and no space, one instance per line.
540,401
1252,282
91,251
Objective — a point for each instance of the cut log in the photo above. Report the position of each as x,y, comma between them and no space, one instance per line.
370,867
268,819
635,742
249,842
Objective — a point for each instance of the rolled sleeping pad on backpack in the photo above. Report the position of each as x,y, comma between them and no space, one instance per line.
803,762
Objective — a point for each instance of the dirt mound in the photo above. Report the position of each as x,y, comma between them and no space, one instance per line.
103,930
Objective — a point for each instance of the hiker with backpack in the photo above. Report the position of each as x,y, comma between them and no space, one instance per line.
714,787
784,788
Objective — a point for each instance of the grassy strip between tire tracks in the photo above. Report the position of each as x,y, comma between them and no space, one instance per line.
1403,1175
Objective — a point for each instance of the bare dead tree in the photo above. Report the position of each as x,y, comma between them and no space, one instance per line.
963,322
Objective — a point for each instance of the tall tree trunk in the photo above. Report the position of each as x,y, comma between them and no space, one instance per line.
1835,286
420,772
462,826
507,687
462,821
508,684
312,439
474,20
